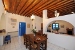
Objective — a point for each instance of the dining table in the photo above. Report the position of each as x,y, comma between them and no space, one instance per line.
38,39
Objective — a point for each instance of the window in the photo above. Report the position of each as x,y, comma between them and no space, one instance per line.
55,26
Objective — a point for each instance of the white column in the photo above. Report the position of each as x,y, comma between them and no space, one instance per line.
44,18
45,14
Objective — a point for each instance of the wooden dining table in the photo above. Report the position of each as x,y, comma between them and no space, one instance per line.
38,39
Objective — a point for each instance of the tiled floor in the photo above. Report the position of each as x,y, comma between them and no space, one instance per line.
16,44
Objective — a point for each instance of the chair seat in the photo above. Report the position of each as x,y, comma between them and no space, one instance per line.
27,42
24,41
34,46
7,38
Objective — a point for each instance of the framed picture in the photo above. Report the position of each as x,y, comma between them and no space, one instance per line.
62,26
13,20
28,25
50,25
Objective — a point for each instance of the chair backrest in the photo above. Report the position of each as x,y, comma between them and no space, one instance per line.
45,35
8,37
27,38
24,36
31,41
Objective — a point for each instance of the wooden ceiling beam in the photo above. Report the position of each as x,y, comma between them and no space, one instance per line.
50,14
6,4
26,6
63,8
38,5
32,5
57,7
33,13
37,13
17,2
21,5
51,4
14,5
47,4
11,5
51,7
43,2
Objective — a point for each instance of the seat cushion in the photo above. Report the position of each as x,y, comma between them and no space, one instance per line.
34,46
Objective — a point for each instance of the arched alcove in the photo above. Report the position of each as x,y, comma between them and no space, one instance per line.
64,27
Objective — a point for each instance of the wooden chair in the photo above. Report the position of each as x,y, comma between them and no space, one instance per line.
27,41
33,46
44,43
7,39
24,36
39,32
45,35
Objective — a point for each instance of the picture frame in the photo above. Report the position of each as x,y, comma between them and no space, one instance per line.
28,25
50,25
62,26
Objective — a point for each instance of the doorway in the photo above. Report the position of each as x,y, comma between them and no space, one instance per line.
22,28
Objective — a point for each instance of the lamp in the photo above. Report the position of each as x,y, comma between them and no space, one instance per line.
32,17
56,13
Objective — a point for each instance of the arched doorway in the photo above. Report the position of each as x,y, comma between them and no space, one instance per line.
64,27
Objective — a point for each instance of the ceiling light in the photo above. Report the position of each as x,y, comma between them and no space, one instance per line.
32,17
56,14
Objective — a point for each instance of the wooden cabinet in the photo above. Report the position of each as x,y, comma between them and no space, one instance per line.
70,31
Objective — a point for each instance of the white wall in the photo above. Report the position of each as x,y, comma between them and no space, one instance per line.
62,40
38,21
3,22
1,13
68,42
1,8
9,27
28,21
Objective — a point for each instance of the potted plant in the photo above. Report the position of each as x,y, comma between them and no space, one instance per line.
34,31
57,29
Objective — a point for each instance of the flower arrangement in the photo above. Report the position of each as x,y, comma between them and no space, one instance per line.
34,31
56,29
